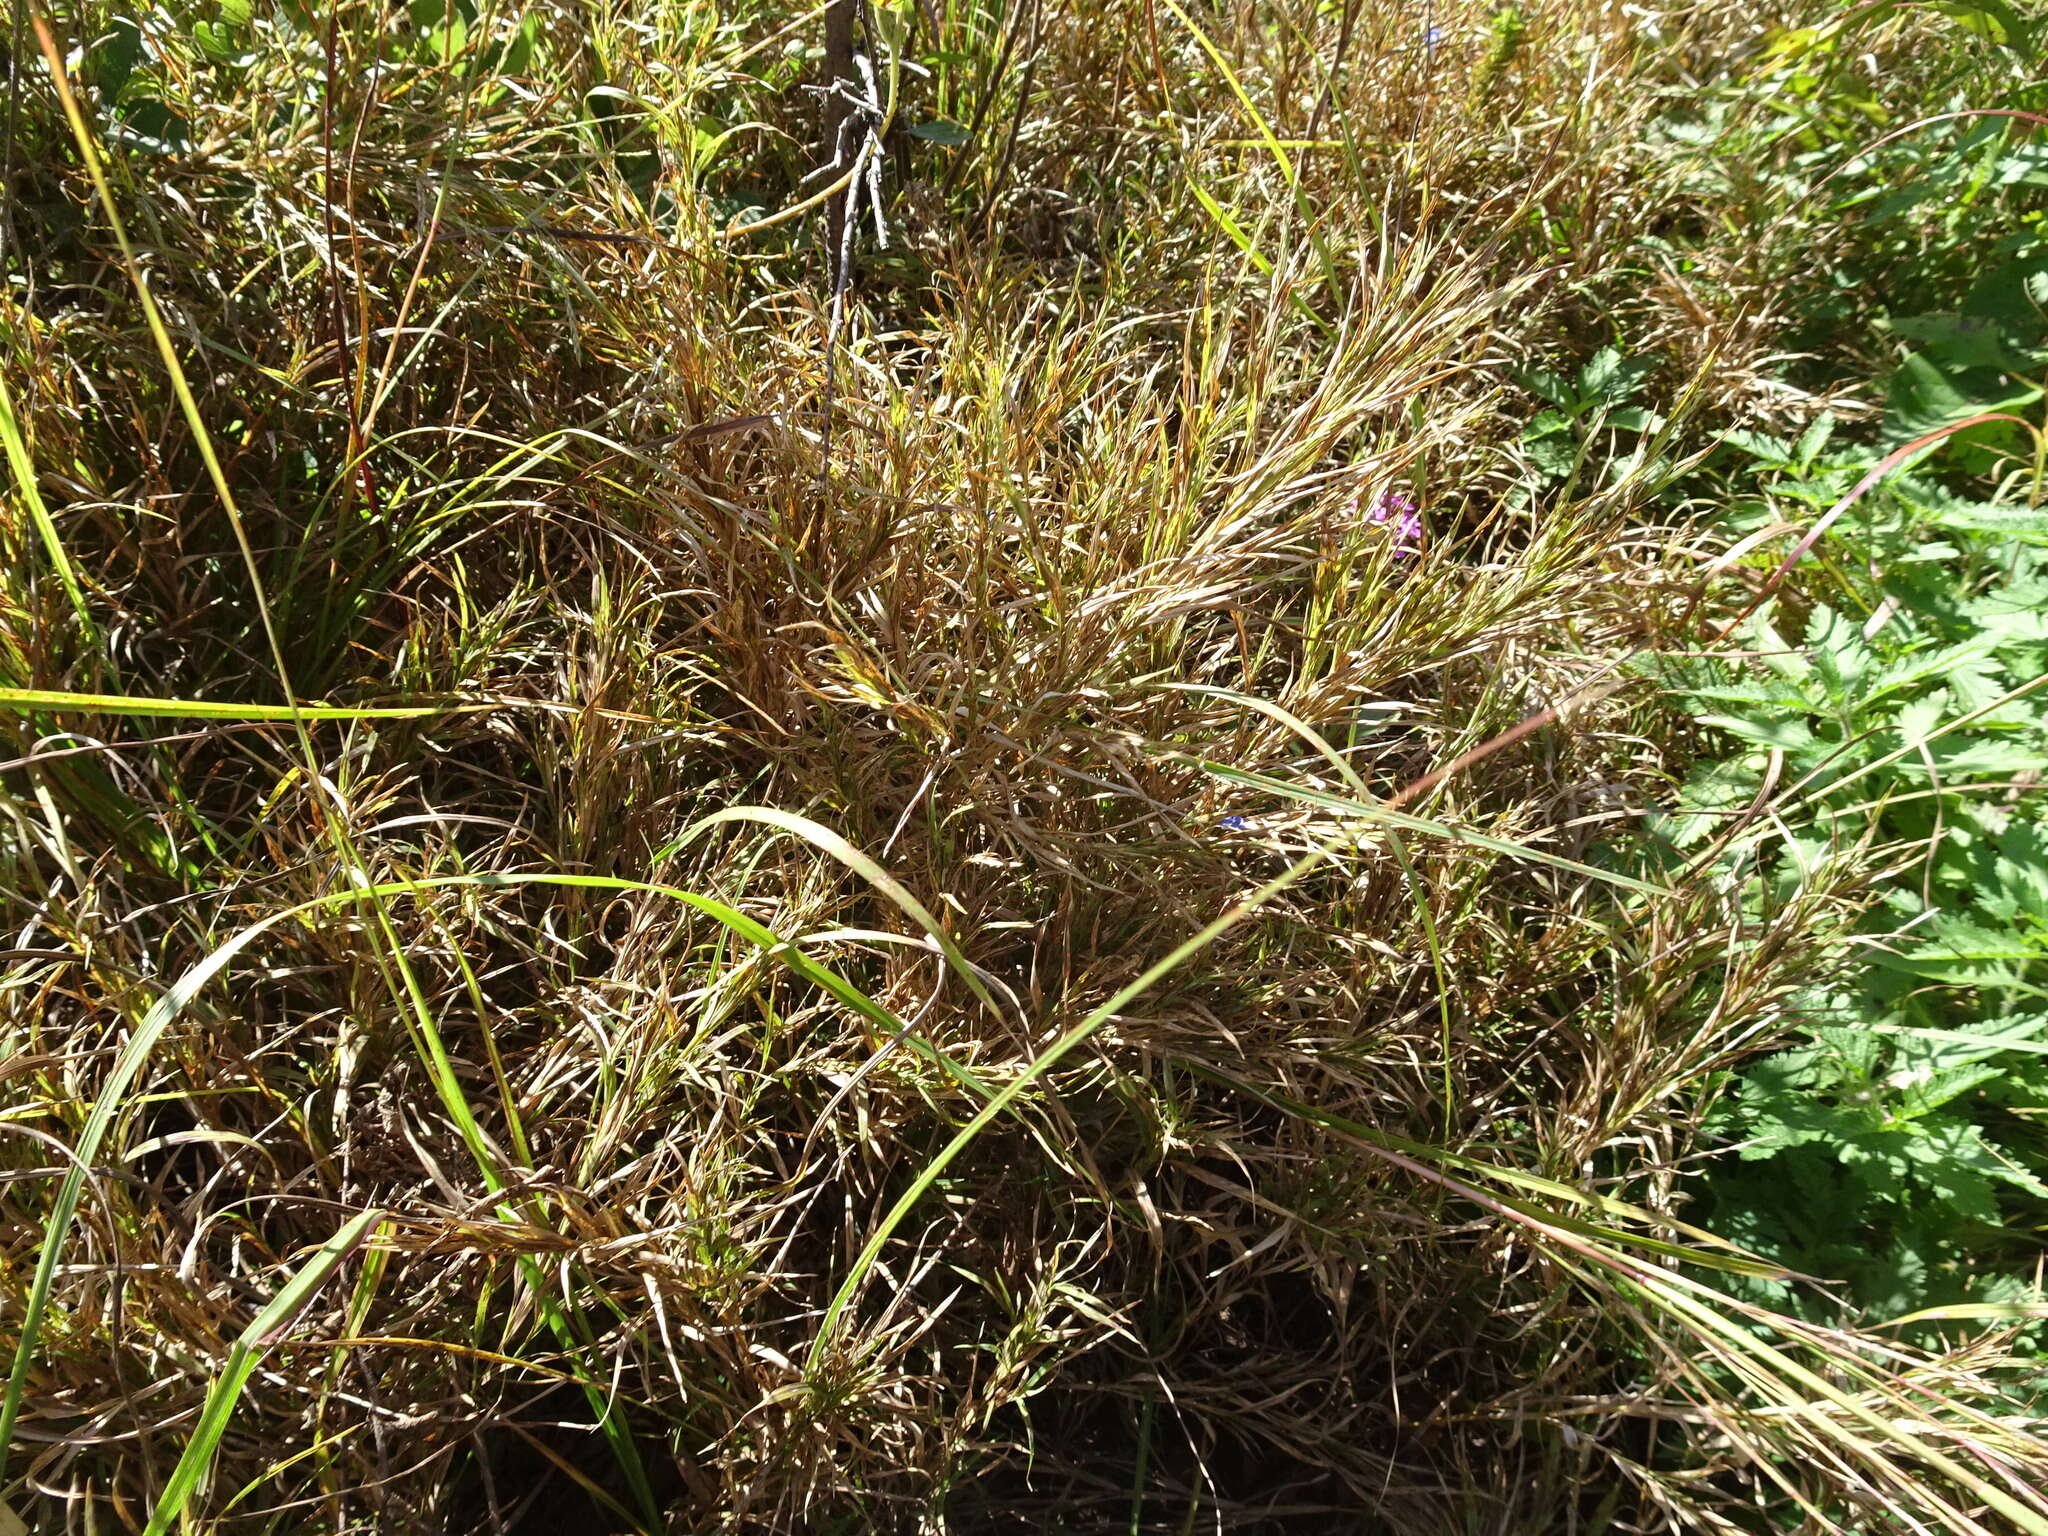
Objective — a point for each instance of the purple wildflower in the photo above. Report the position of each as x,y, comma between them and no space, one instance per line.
1398,508
1234,824
1407,534
1391,504
1431,37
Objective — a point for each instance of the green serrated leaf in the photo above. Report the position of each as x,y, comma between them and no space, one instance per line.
1959,342
1547,385
1815,438
1962,951
941,131
1788,735
1610,378
1773,451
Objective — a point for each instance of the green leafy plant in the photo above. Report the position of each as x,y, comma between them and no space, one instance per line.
1984,357
1893,1149
1594,401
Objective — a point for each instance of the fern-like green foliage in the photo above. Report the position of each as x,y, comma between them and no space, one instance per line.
1899,1149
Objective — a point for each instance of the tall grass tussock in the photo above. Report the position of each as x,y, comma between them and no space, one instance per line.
908,766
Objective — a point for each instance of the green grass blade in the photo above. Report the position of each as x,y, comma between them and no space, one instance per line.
179,996
188,404
40,700
1230,227
1274,146
828,841
1974,1312
1425,913
1725,1257
1387,816
38,513
1043,1063
263,1331
1988,1044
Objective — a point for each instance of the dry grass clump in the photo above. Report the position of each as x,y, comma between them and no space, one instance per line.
747,820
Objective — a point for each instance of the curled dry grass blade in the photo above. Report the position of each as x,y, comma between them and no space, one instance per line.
760,941
167,1008
1043,1063
1808,1412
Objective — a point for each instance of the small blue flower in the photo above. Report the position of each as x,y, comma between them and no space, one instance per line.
1234,824
1431,36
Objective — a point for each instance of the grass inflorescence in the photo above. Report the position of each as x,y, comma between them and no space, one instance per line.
943,766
